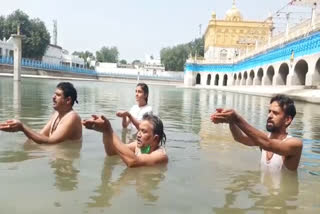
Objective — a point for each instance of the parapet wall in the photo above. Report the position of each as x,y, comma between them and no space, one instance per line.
8,69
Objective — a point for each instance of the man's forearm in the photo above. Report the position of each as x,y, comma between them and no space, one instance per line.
36,137
108,144
125,122
126,154
258,137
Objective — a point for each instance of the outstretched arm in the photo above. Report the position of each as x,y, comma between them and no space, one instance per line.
62,133
289,147
239,136
127,118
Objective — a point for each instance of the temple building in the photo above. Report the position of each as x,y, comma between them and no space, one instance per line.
233,36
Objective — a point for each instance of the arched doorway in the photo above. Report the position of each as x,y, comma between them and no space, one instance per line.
198,79
216,80
239,78
234,79
259,75
270,74
208,79
245,77
283,74
251,77
225,80
300,72
316,77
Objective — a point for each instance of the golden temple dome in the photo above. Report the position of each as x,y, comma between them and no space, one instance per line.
233,14
213,15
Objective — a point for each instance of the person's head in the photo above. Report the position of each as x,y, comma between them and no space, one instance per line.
281,113
151,131
142,93
65,94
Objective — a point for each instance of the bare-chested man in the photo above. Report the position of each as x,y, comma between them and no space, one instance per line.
279,150
65,123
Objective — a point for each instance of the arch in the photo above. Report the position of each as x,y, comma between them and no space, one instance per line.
234,79
283,74
251,77
269,77
259,77
225,80
198,79
239,78
300,72
316,78
245,77
209,79
216,80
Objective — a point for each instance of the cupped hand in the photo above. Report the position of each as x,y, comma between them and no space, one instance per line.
11,126
223,116
122,114
97,123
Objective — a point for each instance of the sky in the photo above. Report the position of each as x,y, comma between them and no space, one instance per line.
137,27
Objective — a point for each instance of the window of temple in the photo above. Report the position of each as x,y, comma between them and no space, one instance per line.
223,54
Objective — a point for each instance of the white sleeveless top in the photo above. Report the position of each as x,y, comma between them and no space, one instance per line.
275,163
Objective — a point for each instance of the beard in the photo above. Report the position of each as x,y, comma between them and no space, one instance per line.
271,127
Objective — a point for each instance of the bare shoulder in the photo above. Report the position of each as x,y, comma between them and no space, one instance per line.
132,146
74,117
161,154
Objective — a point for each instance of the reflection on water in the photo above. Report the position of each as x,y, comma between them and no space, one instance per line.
259,192
62,158
207,171
145,180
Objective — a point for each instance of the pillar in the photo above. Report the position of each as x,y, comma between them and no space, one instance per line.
17,48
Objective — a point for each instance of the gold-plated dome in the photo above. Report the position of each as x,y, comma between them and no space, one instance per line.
233,14
213,15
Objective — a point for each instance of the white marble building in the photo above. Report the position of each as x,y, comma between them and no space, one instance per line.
6,48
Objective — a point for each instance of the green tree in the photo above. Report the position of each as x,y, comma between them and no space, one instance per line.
174,58
84,55
2,26
107,54
37,37
123,62
197,47
36,44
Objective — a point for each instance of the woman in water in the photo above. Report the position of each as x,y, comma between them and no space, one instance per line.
137,111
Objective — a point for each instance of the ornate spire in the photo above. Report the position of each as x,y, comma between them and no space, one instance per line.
234,3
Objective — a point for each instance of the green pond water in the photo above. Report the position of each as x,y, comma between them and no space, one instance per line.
208,172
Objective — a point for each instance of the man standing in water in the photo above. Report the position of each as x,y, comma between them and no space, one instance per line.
65,123
147,150
279,150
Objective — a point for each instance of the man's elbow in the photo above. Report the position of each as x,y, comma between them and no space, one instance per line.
110,153
131,163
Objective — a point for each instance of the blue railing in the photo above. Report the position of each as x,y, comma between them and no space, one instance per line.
6,60
301,47
36,64
56,67
141,77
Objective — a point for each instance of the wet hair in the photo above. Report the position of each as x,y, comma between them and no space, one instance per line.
145,89
286,104
68,91
157,126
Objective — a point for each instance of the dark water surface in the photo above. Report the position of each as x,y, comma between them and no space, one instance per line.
207,171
